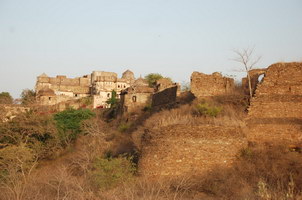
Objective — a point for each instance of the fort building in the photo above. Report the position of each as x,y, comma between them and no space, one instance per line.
98,85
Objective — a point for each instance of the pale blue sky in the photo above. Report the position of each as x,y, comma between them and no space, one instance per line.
171,37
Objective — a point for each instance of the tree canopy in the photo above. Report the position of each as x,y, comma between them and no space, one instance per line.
5,98
28,96
152,78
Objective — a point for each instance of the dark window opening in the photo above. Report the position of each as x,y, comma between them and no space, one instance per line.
108,95
49,98
134,98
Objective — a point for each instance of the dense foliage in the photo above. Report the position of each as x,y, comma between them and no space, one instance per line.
69,121
108,173
152,78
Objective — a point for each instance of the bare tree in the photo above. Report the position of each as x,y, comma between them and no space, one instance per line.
245,57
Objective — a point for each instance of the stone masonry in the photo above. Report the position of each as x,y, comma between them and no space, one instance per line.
180,150
98,85
275,113
164,97
254,74
204,85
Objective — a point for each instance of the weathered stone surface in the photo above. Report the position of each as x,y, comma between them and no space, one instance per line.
181,150
204,85
135,98
254,74
275,113
98,85
164,97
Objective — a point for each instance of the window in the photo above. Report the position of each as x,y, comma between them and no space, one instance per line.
118,86
134,98
75,95
49,98
108,95
124,86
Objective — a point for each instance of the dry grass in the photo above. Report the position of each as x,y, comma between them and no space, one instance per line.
185,114
261,172
142,188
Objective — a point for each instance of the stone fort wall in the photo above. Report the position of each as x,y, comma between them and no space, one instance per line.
181,149
204,85
164,97
275,113
62,83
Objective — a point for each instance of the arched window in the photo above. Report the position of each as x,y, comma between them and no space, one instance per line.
134,98
108,95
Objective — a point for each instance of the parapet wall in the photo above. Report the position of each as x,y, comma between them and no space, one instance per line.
275,113
204,85
164,97
61,83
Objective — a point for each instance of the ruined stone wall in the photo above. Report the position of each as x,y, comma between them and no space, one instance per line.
181,149
136,98
254,74
275,113
164,97
203,85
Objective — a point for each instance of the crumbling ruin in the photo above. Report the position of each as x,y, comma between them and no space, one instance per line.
275,113
136,97
255,75
204,85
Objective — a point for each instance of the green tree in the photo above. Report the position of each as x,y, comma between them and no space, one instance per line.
108,173
28,97
69,123
5,98
113,100
152,78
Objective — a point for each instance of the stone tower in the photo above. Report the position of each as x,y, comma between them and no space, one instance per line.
129,76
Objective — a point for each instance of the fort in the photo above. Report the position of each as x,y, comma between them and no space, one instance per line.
274,114
134,94
98,85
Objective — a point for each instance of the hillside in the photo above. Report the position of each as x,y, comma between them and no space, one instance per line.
219,145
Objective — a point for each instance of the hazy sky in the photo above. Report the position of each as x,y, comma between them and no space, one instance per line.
171,37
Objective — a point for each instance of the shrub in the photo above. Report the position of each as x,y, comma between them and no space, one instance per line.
108,173
207,110
123,127
147,108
